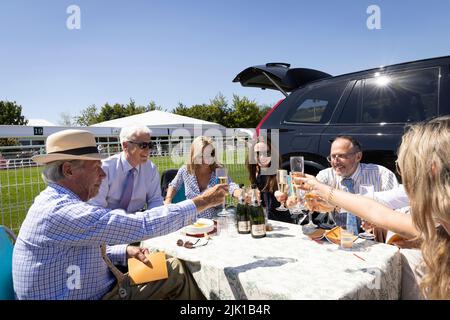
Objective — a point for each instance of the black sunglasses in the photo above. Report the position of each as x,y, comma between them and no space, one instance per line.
263,153
143,145
187,244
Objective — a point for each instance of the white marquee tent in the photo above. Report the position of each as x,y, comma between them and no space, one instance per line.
40,123
161,122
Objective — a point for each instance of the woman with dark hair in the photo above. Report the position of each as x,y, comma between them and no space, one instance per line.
262,163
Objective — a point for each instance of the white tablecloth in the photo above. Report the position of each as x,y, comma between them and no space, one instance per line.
287,265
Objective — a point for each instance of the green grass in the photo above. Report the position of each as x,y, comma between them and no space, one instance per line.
20,186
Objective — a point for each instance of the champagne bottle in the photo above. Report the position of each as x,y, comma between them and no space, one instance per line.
257,220
242,215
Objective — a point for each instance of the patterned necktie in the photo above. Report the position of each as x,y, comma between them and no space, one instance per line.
127,190
353,222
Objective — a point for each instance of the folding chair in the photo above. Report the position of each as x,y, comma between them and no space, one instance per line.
7,240
166,177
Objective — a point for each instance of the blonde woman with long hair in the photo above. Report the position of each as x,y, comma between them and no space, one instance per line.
199,174
424,164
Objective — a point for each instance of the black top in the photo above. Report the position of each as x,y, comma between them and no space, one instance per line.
268,200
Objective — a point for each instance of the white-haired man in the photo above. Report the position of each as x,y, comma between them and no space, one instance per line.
66,248
132,181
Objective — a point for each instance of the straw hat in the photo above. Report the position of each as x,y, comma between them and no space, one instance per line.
69,145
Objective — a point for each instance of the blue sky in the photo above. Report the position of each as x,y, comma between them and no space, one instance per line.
188,51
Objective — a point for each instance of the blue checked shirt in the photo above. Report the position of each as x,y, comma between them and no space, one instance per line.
192,189
57,254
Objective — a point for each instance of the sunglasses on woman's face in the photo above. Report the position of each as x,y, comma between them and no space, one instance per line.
208,153
261,153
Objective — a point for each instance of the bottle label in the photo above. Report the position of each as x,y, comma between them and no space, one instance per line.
244,226
259,229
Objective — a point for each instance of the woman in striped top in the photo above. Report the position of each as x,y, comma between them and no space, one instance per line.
199,174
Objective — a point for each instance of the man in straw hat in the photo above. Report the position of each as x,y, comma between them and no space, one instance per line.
60,252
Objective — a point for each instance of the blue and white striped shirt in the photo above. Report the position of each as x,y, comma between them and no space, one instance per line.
60,240
192,189
380,177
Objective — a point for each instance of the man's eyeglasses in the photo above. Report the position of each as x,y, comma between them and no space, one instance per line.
344,156
142,145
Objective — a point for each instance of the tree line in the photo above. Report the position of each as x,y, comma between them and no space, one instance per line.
240,113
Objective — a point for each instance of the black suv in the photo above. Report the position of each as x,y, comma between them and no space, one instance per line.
372,105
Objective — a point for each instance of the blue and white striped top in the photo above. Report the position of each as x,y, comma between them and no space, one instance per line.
192,189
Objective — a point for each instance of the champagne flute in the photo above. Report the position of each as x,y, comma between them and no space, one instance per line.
299,206
297,166
367,190
282,186
298,170
222,175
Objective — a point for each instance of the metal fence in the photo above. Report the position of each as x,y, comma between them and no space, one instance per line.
21,182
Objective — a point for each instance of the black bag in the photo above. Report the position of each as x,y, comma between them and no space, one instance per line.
322,220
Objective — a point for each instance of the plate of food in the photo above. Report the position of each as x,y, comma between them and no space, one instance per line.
201,227
334,235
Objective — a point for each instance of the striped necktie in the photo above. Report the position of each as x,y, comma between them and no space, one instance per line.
353,222
127,190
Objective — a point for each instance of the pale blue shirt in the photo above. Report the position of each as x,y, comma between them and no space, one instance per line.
146,187
380,177
60,240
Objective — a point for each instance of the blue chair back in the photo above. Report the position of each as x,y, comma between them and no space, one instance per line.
166,177
180,195
7,239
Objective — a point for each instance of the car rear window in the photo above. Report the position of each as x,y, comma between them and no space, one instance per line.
408,96
315,105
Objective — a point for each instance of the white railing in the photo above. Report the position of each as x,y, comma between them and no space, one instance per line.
21,182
